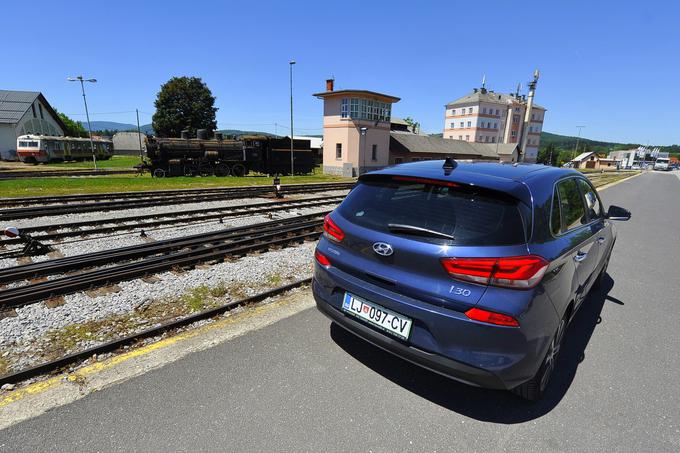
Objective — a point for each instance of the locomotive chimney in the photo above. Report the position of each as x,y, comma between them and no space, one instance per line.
202,134
329,84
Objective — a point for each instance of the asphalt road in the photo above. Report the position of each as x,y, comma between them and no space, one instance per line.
303,385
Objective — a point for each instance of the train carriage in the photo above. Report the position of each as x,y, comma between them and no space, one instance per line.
46,148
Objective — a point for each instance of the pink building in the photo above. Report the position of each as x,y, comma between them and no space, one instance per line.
356,130
482,117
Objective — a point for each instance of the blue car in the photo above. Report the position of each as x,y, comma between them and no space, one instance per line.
471,270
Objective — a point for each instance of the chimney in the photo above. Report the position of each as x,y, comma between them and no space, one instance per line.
329,84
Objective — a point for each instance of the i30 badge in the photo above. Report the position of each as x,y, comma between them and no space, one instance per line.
383,249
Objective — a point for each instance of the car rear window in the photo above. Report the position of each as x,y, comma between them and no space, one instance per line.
472,215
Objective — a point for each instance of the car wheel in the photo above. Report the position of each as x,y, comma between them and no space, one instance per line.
534,388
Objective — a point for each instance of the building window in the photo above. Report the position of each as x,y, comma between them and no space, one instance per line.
338,150
469,123
493,139
497,112
467,138
484,110
486,138
462,124
453,125
398,160
33,108
453,112
533,117
470,110
344,109
513,133
460,137
374,152
369,109
515,119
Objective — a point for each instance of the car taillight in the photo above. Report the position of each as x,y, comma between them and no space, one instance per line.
321,258
491,317
331,230
511,272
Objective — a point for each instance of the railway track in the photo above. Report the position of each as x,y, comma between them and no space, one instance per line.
55,365
52,210
56,232
152,258
52,173
164,194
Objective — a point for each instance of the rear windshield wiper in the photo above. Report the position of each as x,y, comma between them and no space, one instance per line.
397,227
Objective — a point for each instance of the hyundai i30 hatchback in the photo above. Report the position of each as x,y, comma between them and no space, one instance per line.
471,270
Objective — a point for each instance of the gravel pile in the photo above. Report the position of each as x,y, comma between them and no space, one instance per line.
251,272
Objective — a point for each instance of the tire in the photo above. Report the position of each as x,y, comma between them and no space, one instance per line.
534,388
159,173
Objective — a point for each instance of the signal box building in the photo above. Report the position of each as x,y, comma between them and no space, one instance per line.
25,112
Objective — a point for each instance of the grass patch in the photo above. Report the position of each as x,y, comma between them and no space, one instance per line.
4,366
114,162
602,179
25,187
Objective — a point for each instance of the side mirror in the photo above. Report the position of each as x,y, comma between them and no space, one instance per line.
618,213
11,232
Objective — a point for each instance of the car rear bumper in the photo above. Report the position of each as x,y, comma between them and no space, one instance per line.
442,340
439,364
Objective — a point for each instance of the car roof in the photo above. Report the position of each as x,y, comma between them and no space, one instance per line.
514,179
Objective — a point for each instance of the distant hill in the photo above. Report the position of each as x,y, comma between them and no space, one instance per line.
569,142
114,126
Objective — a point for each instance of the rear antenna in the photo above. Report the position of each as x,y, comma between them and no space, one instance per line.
449,165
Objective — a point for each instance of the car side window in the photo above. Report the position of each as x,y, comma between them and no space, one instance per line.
593,206
571,205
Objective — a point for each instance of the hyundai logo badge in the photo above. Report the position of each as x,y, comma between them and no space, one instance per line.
383,249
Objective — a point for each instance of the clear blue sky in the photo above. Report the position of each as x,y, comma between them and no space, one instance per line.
610,65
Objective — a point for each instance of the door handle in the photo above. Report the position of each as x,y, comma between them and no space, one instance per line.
601,240
580,256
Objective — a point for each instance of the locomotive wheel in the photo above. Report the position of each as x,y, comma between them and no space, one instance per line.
221,170
238,170
205,169
159,173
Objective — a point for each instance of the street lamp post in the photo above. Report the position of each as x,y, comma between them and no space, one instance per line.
292,168
363,130
87,114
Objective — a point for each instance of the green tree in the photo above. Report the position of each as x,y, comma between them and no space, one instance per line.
548,155
184,103
73,128
413,124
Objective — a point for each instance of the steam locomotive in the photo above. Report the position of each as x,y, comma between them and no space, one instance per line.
203,156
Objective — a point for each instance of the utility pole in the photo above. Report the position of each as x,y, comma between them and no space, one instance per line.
363,130
87,114
139,135
527,114
292,167
578,137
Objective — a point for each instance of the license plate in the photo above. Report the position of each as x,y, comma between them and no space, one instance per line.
387,320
